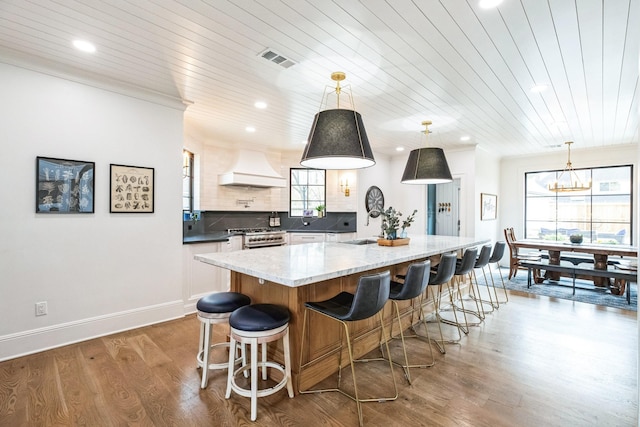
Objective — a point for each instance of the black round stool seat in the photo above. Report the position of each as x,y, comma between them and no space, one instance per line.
222,302
259,317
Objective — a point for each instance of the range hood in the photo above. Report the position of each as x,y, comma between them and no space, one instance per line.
252,169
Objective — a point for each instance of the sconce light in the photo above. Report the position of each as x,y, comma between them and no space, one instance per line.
186,164
344,187
337,139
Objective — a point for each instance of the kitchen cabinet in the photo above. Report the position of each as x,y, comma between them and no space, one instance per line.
201,279
299,238
339,237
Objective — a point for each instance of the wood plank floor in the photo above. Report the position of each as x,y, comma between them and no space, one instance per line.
536,361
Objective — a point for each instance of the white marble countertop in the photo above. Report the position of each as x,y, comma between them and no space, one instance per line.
299,265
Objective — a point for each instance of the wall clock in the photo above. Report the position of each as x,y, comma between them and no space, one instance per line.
374,201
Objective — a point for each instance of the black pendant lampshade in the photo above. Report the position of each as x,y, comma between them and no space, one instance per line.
426,165
337,139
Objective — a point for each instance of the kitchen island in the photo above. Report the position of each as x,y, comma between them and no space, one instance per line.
293,275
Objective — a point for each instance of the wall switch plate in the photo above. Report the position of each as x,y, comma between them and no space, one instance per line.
41,308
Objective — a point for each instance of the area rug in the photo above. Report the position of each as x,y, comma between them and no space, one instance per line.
585,290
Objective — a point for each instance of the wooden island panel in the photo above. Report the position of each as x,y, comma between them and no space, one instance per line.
323,334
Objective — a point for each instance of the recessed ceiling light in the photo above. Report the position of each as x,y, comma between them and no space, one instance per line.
465,138
84,46
250,129
538,88
488,4
260,104
399,148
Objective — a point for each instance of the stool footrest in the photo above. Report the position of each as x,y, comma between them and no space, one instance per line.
246,392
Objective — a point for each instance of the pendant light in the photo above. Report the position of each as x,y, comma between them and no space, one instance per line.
426,165
569,180
337,139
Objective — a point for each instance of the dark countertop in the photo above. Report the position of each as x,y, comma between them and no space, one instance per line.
221,236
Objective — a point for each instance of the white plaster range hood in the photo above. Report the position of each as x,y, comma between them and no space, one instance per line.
252,169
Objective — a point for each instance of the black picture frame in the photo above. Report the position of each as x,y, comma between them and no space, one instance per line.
64,186
132,189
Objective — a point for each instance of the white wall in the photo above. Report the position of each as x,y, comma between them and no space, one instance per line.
214,158
511,198
487,180
99,272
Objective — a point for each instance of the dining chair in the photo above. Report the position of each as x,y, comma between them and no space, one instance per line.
514,255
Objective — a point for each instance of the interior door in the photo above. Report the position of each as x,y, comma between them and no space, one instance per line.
446,210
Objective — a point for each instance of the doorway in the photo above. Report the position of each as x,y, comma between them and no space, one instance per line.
443,204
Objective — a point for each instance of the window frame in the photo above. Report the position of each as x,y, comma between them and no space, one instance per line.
307,203
593,195
187,174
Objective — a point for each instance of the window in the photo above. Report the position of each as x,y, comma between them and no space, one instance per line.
187,181
308,191
602,214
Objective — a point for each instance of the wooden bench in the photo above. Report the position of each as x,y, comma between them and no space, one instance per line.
574,271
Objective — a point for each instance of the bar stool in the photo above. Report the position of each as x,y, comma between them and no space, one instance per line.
496,256
259,324
370,297
481,263
464,267
415,283
214,309
444,273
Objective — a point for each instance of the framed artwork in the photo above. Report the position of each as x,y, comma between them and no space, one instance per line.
64,186
131,189
488,206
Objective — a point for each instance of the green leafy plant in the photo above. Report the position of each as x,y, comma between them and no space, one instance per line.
320,208
407,222
391,222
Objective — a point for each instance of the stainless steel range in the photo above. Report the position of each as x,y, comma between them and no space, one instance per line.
260,237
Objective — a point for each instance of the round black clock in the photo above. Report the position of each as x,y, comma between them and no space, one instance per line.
374,201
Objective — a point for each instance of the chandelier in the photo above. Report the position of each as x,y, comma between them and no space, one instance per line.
569,180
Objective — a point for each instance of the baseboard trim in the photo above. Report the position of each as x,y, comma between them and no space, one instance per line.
37,340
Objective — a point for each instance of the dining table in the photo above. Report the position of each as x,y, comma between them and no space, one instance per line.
602,255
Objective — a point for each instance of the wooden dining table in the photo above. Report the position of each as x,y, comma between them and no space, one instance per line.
601,254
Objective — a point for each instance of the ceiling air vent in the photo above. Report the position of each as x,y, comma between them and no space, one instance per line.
276,58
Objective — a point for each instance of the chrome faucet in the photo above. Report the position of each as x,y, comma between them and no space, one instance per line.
374,211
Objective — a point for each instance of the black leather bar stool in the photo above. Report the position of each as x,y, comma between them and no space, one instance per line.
496,256
369,299
481,263
464,267
415,283
254,325
214,309
444,273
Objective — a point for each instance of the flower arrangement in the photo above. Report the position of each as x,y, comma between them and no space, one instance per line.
391,222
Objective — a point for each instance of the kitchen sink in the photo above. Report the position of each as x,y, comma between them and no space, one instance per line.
360,242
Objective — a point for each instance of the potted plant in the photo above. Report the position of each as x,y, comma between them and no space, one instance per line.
407,223
320,209
391,222
576,238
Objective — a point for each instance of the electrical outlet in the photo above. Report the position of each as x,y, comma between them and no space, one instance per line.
41,308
